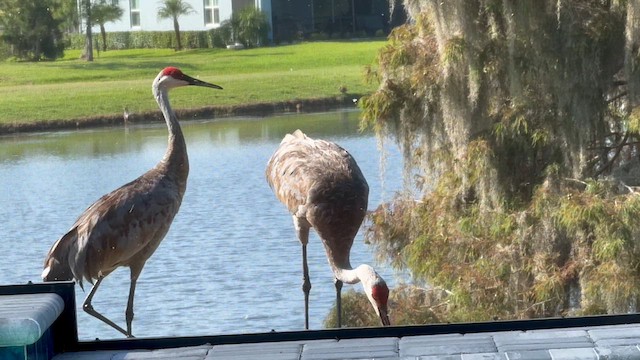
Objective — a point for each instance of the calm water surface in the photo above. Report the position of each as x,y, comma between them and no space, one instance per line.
230,263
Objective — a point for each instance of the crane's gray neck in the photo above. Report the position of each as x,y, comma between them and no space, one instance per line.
347,275
364,273
175,158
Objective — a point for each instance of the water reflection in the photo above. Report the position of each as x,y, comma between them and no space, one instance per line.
229,264
229,132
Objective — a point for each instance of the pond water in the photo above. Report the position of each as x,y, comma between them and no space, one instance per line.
230,263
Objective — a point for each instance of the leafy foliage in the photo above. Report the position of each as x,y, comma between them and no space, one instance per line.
32,29
520,119
408,304
248,26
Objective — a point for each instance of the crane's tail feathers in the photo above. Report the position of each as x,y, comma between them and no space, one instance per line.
57,263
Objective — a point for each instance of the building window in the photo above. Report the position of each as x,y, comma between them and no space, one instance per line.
135,13
211,12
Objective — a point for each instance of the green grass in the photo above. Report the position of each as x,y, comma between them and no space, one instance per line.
74,89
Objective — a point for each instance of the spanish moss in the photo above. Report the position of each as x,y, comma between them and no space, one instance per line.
521,120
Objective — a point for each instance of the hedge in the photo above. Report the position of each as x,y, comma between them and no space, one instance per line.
151,40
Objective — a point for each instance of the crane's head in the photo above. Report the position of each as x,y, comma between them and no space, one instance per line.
171,77
379,297
377,291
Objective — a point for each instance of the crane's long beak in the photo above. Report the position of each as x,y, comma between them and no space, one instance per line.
196,82
384,316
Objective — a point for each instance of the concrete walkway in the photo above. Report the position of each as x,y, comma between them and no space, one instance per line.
597,342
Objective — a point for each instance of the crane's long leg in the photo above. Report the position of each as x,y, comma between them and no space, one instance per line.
88,308
338,285
302,231
306,285
135,273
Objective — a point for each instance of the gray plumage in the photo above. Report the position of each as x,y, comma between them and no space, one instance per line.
126,226
323,187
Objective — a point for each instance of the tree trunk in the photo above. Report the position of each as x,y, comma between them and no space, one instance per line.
88,45
176,28
36,47
104,37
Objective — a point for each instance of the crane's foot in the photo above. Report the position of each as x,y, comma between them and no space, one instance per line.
129,319
88,308
306,288
338,285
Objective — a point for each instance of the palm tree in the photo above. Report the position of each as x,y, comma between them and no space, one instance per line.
102,13
248,26
253,26
172,9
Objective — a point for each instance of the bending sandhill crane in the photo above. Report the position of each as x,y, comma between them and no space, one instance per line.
323,187
125,226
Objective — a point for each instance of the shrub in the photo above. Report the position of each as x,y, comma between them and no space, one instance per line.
249,26
408,305
152,40
216,38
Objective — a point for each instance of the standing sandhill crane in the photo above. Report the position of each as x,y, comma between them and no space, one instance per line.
323,187
125,226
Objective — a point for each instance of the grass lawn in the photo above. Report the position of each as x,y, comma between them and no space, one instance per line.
75,89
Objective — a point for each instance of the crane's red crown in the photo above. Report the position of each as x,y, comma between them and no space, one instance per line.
380,293
174,72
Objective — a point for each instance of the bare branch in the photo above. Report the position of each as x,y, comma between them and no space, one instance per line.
624,93
618,148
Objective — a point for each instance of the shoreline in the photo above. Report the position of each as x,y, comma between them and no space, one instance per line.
254,109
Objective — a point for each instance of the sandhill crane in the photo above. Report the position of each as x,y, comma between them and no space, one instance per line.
125,226
323,187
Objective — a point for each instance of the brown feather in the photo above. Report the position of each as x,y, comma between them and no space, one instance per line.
126,226
321,182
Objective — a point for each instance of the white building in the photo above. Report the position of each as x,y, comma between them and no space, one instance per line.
288,19
142,15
